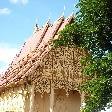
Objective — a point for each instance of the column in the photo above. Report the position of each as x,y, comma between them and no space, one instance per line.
51,99
32,95
82,100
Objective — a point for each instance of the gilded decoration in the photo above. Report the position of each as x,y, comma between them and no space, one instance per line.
60,68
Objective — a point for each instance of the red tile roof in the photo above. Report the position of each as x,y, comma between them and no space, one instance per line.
33,50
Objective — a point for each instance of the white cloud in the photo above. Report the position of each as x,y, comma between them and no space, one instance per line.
5,11
14,1
7,53
22,2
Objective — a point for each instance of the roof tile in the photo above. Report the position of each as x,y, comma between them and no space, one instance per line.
33,50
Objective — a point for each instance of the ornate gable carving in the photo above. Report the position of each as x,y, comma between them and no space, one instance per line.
60,68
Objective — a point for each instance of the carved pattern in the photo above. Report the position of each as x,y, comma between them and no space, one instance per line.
42,85
60,98
65,85
60,66
63,64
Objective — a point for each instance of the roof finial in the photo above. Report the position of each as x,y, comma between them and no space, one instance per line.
36,27
73,10
72,14
63,10
49,16
36,24
49,19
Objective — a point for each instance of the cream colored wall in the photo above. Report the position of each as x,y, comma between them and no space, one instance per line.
12,101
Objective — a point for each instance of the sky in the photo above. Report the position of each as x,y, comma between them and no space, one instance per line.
17,20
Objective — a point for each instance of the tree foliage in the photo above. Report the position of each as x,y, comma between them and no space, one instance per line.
92,30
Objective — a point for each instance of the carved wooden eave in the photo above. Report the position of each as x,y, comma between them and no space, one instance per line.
43,66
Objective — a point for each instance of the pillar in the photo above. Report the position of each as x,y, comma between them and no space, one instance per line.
51,99
82,100
32,99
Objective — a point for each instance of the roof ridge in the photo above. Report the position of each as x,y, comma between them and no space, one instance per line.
36,31
61,17
65,22
36,28
46,26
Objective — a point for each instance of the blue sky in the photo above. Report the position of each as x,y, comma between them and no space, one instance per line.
17,20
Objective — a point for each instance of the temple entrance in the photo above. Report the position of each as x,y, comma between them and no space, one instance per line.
62,103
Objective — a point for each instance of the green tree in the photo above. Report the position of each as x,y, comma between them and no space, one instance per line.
92,30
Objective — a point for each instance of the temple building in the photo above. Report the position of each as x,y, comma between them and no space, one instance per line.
42,78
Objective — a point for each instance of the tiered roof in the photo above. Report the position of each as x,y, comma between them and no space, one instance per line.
33,50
